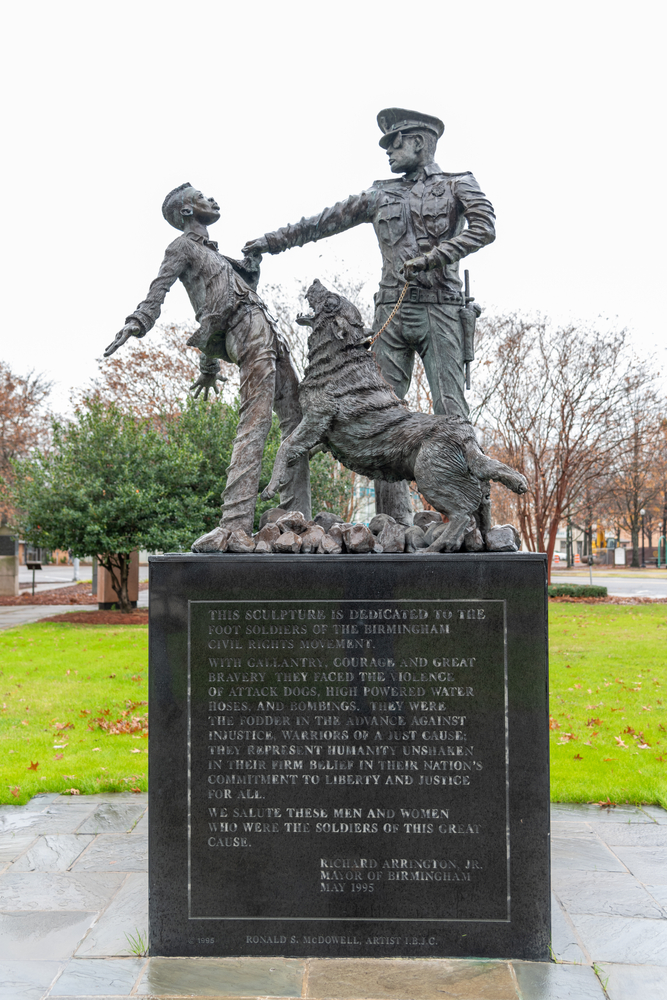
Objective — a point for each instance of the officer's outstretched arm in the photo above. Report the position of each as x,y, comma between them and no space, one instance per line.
342,216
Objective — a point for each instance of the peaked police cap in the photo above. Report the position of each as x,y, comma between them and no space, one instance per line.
394,120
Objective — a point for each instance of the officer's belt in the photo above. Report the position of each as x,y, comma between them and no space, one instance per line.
415,294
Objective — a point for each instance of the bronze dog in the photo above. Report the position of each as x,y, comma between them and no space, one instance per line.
351,411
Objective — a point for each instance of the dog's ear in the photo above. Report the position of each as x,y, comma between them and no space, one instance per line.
331,303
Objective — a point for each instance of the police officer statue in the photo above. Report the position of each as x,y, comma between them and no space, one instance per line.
425,221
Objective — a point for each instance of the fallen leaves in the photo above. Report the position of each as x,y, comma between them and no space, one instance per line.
125,723
71,791
553,724
567,737
34,764
16,791
58,756
620,742
60,726
577,756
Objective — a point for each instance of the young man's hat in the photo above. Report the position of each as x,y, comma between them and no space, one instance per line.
394,120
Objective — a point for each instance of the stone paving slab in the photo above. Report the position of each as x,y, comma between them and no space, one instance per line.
54,853
616,893
126,915
541,981
566,946
58,890
223,977
583,854
634,982
633,835
626,940
26,980
87,977
589,811
47,934
657,814
396,979
114,817
648,864
12,847
114,852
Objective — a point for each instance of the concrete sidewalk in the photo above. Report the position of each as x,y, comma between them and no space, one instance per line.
74,898
14,615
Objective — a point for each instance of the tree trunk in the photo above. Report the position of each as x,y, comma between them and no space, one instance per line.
551,545
118,566
635,548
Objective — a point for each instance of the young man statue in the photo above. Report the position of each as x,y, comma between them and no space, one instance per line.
233,325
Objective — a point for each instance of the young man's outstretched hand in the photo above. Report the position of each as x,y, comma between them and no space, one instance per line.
131,329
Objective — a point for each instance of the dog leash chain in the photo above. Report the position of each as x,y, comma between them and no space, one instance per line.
391,315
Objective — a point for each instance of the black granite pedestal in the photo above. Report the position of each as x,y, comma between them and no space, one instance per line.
349,755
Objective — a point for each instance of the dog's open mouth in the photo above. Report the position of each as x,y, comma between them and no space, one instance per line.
305,319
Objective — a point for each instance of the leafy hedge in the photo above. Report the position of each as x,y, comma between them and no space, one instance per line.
576,590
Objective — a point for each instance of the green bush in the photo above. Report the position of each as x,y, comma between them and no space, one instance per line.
576,590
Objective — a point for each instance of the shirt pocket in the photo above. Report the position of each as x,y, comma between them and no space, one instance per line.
439,217
391,222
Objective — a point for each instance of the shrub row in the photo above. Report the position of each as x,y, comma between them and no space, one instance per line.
576,590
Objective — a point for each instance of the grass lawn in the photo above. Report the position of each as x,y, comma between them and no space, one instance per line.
74,706
608,680
73,710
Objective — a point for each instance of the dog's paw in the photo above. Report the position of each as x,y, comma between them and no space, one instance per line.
516,482
268,493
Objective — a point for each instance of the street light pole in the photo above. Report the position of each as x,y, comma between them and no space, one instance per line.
642,512
568,543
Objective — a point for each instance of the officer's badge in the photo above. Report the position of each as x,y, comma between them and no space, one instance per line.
439,189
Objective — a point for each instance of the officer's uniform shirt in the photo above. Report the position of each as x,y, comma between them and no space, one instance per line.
411,215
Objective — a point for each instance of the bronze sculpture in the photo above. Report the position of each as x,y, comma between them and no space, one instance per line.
234,326
419,221
351,409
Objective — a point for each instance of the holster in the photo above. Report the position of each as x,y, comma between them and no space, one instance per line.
468,322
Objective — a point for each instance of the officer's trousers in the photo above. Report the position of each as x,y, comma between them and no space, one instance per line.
268,382
435,333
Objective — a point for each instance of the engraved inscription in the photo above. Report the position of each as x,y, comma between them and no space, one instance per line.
357,748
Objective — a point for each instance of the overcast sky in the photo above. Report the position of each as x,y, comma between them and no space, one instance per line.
557,108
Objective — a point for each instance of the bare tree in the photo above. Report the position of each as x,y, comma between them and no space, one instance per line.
638,465
151,376
548,400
